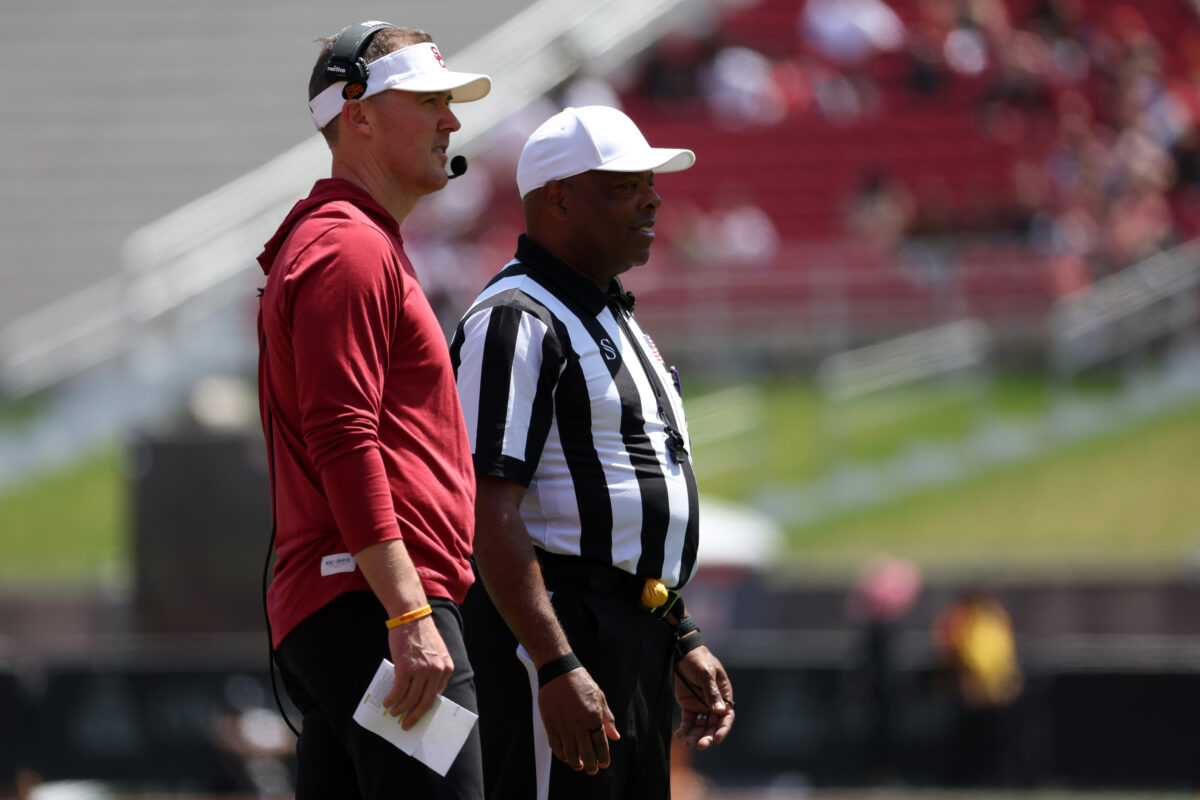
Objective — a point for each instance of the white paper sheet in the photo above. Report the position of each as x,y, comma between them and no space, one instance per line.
434,741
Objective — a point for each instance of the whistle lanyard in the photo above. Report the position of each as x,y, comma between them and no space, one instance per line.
675,442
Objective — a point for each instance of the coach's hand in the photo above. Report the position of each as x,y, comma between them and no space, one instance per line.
578,721
705,699
423,669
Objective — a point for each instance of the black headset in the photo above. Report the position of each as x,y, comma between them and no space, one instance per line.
345,59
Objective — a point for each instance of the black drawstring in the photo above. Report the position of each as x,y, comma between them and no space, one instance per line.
271,549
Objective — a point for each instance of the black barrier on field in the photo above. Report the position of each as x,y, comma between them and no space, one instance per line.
1126,730
819,727
14,713
828,728
153,725
202,523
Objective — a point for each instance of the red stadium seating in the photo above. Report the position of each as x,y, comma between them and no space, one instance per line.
803,170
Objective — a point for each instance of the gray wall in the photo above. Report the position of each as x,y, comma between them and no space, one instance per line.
116,112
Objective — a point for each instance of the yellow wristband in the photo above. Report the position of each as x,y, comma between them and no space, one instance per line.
411,616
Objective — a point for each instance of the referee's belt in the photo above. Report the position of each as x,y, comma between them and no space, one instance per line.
561,571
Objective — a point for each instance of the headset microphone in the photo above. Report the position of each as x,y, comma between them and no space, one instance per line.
458,165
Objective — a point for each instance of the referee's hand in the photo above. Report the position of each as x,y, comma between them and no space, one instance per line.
578,721
705,698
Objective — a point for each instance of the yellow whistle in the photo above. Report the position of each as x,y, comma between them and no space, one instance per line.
654,594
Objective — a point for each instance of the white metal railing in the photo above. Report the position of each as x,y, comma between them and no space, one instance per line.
913,357
1126,310
211,242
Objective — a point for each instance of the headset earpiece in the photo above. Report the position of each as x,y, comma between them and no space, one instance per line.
346,62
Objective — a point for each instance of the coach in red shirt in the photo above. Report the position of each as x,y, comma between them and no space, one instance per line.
372,482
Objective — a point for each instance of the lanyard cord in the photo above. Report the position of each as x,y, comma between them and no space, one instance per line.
675,441
270,549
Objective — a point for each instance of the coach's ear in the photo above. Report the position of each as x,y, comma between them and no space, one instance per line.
358,117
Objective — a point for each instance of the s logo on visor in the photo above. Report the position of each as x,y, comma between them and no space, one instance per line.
438,56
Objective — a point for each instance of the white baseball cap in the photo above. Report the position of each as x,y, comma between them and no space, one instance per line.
576,140
416,68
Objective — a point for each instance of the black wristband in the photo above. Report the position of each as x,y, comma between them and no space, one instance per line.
686,626
559,666
687,644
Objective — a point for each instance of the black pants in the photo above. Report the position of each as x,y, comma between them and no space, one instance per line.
628,653
327,662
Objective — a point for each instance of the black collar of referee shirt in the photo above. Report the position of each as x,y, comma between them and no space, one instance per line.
568,283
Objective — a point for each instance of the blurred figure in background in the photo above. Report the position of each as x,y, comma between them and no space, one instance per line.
974,643
849,32
257,749
739,88
737,232
881,208
884,593
671,75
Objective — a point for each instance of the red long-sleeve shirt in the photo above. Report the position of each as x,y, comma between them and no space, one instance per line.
363,424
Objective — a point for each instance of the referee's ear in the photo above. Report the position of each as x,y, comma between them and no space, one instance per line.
554,198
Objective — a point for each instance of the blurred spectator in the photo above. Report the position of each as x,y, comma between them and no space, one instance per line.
846,97
1139,226
849,32
981,28
1019,80
1028,183
1057,19
973,639
737,232
885,591
743,234
1186,193
739,88
881,208
256,746
1067,274
671,73
926,75
933,209
794,78
1185,155
965,51
983,211
1103,139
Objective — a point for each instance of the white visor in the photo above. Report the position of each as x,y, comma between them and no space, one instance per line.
416,68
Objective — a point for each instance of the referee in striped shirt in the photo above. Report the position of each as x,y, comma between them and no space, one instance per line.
586,509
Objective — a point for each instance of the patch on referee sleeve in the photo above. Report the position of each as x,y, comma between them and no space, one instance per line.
654,349
336,563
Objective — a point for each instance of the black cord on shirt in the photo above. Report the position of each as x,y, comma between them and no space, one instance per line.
267,563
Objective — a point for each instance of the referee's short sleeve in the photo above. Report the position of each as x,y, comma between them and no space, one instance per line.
508,362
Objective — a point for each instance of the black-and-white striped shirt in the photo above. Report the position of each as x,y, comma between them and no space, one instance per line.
562,391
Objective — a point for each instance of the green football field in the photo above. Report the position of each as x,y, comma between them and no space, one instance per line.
1122,497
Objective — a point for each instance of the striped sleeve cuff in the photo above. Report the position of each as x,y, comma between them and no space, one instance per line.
505,467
